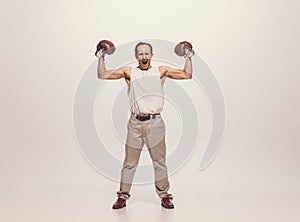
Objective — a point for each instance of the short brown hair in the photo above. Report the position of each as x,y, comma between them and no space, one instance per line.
143,43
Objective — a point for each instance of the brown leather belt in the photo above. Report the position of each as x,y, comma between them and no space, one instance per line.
144,117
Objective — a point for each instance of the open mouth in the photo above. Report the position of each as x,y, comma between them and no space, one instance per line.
144,61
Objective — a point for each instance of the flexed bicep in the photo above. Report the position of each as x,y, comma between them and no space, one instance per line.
173,73
112,74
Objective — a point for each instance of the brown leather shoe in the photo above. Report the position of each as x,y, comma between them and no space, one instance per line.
166,203
120,203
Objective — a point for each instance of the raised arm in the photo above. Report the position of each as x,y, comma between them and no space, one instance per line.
185,49
173,73
107,47
103,73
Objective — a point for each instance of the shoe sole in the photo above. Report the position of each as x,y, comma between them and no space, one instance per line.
167,207
115,208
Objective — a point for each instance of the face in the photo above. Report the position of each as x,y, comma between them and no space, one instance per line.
144,57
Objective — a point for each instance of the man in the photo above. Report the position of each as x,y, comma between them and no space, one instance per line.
145,125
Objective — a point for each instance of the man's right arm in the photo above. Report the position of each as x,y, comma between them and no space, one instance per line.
122,72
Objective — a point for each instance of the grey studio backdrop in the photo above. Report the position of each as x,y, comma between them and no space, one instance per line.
253,50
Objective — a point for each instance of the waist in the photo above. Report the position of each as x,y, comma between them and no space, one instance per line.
145,116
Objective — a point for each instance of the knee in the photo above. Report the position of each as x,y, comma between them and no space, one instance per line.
129,166
160,165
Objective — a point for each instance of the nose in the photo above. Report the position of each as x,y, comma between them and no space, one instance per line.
144,56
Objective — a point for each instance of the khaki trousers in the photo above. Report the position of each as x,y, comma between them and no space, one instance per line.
152,133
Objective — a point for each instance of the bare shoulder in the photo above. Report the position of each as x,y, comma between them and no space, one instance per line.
127,71
163,69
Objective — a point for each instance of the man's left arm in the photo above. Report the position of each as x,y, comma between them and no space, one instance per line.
172,73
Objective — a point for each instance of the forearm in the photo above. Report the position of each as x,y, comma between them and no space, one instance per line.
102,72
188,68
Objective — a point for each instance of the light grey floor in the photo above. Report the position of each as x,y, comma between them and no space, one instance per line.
56,187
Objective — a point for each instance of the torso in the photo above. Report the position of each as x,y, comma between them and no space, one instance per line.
145,90
129,70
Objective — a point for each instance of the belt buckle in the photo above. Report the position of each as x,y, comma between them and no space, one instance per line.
143,117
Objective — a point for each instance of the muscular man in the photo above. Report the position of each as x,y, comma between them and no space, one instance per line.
145,125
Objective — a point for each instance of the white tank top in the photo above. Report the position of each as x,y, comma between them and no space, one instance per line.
145,91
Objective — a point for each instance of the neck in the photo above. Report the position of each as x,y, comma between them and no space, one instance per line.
144,69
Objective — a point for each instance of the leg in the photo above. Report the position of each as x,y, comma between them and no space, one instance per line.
158,156
133,148
155,142
132,157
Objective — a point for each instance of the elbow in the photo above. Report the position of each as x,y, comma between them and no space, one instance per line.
189,76
100,75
